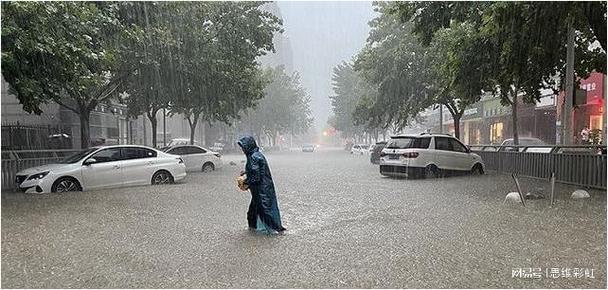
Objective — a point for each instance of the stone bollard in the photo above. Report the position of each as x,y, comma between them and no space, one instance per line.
580,194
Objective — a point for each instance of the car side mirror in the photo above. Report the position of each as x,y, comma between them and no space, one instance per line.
89,161
468,149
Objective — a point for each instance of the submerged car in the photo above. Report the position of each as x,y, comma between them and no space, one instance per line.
428,155
180,141
308,148
103,167
374,156
359,149
507,144
196,157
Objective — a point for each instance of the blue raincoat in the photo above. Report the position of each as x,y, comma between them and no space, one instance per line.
263,214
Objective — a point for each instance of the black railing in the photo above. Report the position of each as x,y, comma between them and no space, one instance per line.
579,165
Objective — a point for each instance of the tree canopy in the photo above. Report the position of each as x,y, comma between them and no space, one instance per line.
64,52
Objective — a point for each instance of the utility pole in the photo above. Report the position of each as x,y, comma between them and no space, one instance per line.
567,109
440,119
143,121
164,127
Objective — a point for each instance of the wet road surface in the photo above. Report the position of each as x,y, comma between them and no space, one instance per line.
348,227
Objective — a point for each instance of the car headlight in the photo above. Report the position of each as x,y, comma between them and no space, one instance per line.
38,175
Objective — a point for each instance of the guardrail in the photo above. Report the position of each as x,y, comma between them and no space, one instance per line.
15,161
579,165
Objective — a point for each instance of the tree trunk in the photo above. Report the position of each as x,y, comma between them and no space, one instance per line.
456,126
192,122
154,125
192,131
85,130
514,115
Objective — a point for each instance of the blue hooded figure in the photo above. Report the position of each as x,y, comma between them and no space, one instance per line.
263,214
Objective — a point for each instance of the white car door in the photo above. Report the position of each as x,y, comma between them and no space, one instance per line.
195,156
188,159
461,157
444,156
138,165
103,169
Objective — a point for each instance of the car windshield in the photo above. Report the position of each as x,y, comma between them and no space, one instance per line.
408,142
77,156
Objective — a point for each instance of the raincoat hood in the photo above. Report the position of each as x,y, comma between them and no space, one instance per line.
248,144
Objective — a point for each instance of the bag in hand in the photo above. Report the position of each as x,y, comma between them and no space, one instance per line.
241,182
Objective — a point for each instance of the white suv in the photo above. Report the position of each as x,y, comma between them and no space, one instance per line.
427,155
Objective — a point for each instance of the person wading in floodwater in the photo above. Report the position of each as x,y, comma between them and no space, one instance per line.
263,214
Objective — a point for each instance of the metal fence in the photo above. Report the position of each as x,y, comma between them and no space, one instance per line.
578,165
15,161
35,137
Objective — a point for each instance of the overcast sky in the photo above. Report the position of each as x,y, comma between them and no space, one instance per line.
322,35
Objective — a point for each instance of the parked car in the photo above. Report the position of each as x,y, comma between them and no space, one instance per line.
196,157
374,156
308,148
217,147
102,167
427,155
360,149
348,146
180,141
523,141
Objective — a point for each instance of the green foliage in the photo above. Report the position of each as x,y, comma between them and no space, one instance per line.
524,43
63,52
285,107
398,67
349,89
410,76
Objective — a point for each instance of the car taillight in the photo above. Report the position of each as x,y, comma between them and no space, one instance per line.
180,160
410,155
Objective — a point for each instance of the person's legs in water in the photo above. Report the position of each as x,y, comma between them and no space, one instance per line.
252,214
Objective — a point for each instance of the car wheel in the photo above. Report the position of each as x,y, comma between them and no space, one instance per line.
208,167
66,184
477,169
162,177
431,171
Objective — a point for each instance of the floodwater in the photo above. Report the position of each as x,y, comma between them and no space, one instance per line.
348,227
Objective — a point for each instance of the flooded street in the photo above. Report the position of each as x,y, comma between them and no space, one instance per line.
348,227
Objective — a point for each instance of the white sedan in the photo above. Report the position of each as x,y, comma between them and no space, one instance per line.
196,157
103,167
360,149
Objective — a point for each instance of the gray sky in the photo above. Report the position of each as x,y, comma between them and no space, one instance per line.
322,35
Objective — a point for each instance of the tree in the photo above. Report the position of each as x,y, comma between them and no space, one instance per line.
284,109
397,66
217,73
63,52
459,66
153,81
526,41
347,87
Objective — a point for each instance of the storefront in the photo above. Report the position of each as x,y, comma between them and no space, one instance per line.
472,124
495,121
590,111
